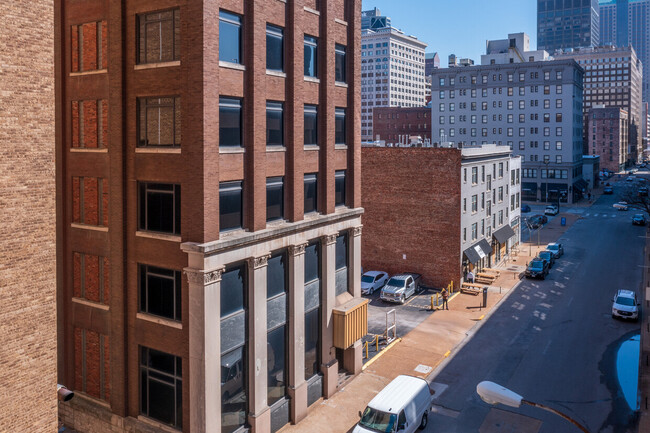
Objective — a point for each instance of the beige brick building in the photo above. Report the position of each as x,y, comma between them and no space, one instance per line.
27,207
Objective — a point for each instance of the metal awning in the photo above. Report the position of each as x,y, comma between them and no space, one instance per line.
580,184
503,234
477,251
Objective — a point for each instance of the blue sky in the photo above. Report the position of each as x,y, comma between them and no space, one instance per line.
460,27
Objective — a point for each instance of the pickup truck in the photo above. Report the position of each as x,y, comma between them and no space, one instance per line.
400,287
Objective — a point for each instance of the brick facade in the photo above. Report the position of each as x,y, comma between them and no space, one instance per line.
27,204
608,137
398,124
415,228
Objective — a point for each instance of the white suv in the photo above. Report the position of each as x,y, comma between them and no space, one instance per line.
625,306
551,210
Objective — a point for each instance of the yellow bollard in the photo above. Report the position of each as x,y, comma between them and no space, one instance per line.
366,350
431,302
452,285
437,299
377,342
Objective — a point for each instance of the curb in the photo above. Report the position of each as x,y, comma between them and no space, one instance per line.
381,352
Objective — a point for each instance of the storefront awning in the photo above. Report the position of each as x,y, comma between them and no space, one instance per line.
580,184
503,234
477,251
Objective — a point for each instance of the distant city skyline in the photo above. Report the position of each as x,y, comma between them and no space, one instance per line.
460,27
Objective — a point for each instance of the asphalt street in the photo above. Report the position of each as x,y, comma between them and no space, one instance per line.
554,341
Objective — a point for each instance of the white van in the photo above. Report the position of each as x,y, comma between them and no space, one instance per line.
401,407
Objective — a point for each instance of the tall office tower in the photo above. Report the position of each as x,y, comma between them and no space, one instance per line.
27,205
209,211
613,78
431,62
625,23
567,24
373,19
533,107
392,72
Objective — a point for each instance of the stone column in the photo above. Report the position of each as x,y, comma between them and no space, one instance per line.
329,364
355,261
296,376
259,416
205,349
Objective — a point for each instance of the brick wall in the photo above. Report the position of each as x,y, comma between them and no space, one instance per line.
27,206
411,198
389,123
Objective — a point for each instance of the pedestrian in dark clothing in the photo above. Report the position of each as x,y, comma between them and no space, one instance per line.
445,297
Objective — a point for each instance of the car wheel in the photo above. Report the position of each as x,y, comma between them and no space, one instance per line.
543,277
424,421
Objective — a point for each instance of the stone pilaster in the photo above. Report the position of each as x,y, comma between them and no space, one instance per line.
296,376
355,261
329,364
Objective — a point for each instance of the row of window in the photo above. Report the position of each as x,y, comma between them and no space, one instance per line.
509,118
509,132
498,104
499,90
160,204
498,77
474,233
483,173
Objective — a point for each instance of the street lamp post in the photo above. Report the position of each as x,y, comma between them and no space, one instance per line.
493,394
547,162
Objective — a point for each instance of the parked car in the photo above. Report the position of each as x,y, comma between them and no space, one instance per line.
537,221
621,205
525,208
638,219
400,287
537,268
547,256
556,248
373,280
608,190
630,179
643,191
626,305
551,210
402,406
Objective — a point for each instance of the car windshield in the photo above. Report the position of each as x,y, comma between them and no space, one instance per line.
367,279
378,421
638,216
536,264
552,247
545,254
396,283
628,302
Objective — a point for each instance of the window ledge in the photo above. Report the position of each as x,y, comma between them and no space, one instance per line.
90,303
93,72
159,236
276,149
276,73
157,425
89,227
156,65
341,146
231,149
311,11
172,150
231,65
340,84
311,147
88,150
159,320
312,79
339,21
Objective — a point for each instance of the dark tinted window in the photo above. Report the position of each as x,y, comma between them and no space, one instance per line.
159,36
230,37
274,198
311,125
233,287
341,251
339,122
274,48
312,261
230,122
160,292
161,386
276,277
312,342
160,207
311,56
276,363
230,205
311,193
340,60
339,188
274,123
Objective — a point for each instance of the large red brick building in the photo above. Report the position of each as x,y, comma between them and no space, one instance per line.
208,161
401,125
608,137
28,232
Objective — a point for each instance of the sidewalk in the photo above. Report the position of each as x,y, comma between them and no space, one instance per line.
423,351
644,369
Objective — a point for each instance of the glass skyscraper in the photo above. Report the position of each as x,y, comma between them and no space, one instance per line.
567,24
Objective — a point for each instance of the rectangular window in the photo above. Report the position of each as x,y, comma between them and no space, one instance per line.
159,37
160,207
341,260
340,126
274,198
558,89
160,291
474,203
234,348
230,37
90,201
274,123
92,360
339,188
311,56
89,124
277,282
312,310
340,64
230,205
89,49
311,125
230,122
311,193
159,122
161,386
474,231
474,175
274,48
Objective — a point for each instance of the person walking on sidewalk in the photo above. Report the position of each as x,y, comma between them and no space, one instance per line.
470,277
445,298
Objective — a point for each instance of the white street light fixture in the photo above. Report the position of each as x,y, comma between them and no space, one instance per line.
493,394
